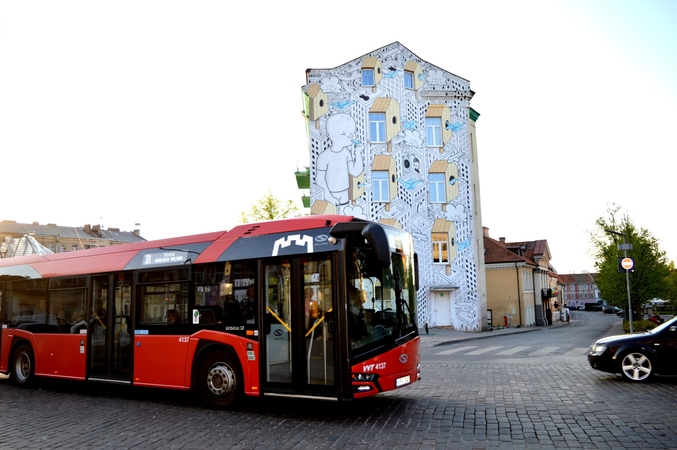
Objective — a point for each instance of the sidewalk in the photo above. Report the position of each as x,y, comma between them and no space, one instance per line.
445,336
617,328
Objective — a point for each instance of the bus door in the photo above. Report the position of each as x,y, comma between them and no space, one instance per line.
298,344
110,327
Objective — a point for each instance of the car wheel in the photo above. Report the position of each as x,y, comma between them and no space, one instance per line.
23,366
636,366
219,380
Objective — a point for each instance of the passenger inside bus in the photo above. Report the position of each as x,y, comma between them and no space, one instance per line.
39,308
313,315
173,321
248,306
173,317
232,311
312,307
79,322
356,322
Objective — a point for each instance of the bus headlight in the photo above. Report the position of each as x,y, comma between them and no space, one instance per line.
364,377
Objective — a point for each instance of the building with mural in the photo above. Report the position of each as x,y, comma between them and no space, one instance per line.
392,139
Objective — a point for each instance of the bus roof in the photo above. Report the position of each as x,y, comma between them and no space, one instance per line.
209,246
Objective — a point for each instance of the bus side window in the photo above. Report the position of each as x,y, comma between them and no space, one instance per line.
164,308
66,310
24,299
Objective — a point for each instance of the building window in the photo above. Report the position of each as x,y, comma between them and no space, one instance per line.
377,127
368,77
437,191
433,129
527,281
440,248
409,80
379,186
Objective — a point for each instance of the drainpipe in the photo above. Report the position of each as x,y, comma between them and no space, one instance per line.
519,295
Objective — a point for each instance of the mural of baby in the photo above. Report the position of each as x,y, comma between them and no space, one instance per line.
342,159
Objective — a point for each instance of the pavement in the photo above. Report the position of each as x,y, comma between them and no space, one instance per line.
447,335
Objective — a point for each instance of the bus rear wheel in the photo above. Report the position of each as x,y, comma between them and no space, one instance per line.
23,366
219,380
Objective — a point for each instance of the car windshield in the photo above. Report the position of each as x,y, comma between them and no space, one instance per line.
663,326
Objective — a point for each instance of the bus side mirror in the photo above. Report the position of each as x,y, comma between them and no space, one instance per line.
376,236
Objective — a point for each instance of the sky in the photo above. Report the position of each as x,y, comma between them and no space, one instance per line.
179,115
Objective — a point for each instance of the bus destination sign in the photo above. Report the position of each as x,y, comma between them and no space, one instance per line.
161,258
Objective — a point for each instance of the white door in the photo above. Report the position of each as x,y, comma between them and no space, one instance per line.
441,309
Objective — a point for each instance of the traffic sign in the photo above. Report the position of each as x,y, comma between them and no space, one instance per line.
627,263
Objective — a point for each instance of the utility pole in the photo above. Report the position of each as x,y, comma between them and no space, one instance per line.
627,264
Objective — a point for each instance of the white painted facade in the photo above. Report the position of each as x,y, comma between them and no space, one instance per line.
391,139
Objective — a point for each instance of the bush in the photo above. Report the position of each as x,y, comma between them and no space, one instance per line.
638,325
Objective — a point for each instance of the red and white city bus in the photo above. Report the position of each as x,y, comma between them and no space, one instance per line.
318,307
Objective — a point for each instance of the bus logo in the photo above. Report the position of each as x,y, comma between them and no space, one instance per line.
299,240
404,358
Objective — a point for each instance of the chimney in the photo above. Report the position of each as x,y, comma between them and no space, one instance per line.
485,231
87,228
137,232
96,230
502,239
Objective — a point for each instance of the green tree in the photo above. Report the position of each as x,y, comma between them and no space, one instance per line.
268,207
671,284
648,277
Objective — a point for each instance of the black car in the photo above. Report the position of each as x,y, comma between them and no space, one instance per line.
614,310
638,356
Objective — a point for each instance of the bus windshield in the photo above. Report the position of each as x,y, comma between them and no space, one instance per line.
381,300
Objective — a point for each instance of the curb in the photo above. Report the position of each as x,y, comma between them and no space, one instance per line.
484,335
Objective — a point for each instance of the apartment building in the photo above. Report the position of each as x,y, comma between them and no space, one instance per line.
392,139
579,289
17,239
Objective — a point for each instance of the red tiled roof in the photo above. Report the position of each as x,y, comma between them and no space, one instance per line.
496,252
569,278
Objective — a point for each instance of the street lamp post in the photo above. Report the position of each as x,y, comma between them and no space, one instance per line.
625,247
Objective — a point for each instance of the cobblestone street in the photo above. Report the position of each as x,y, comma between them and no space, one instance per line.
474,406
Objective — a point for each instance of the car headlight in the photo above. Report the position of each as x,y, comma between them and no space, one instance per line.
597,349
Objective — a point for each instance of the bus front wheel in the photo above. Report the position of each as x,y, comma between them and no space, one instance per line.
219,380
23,366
